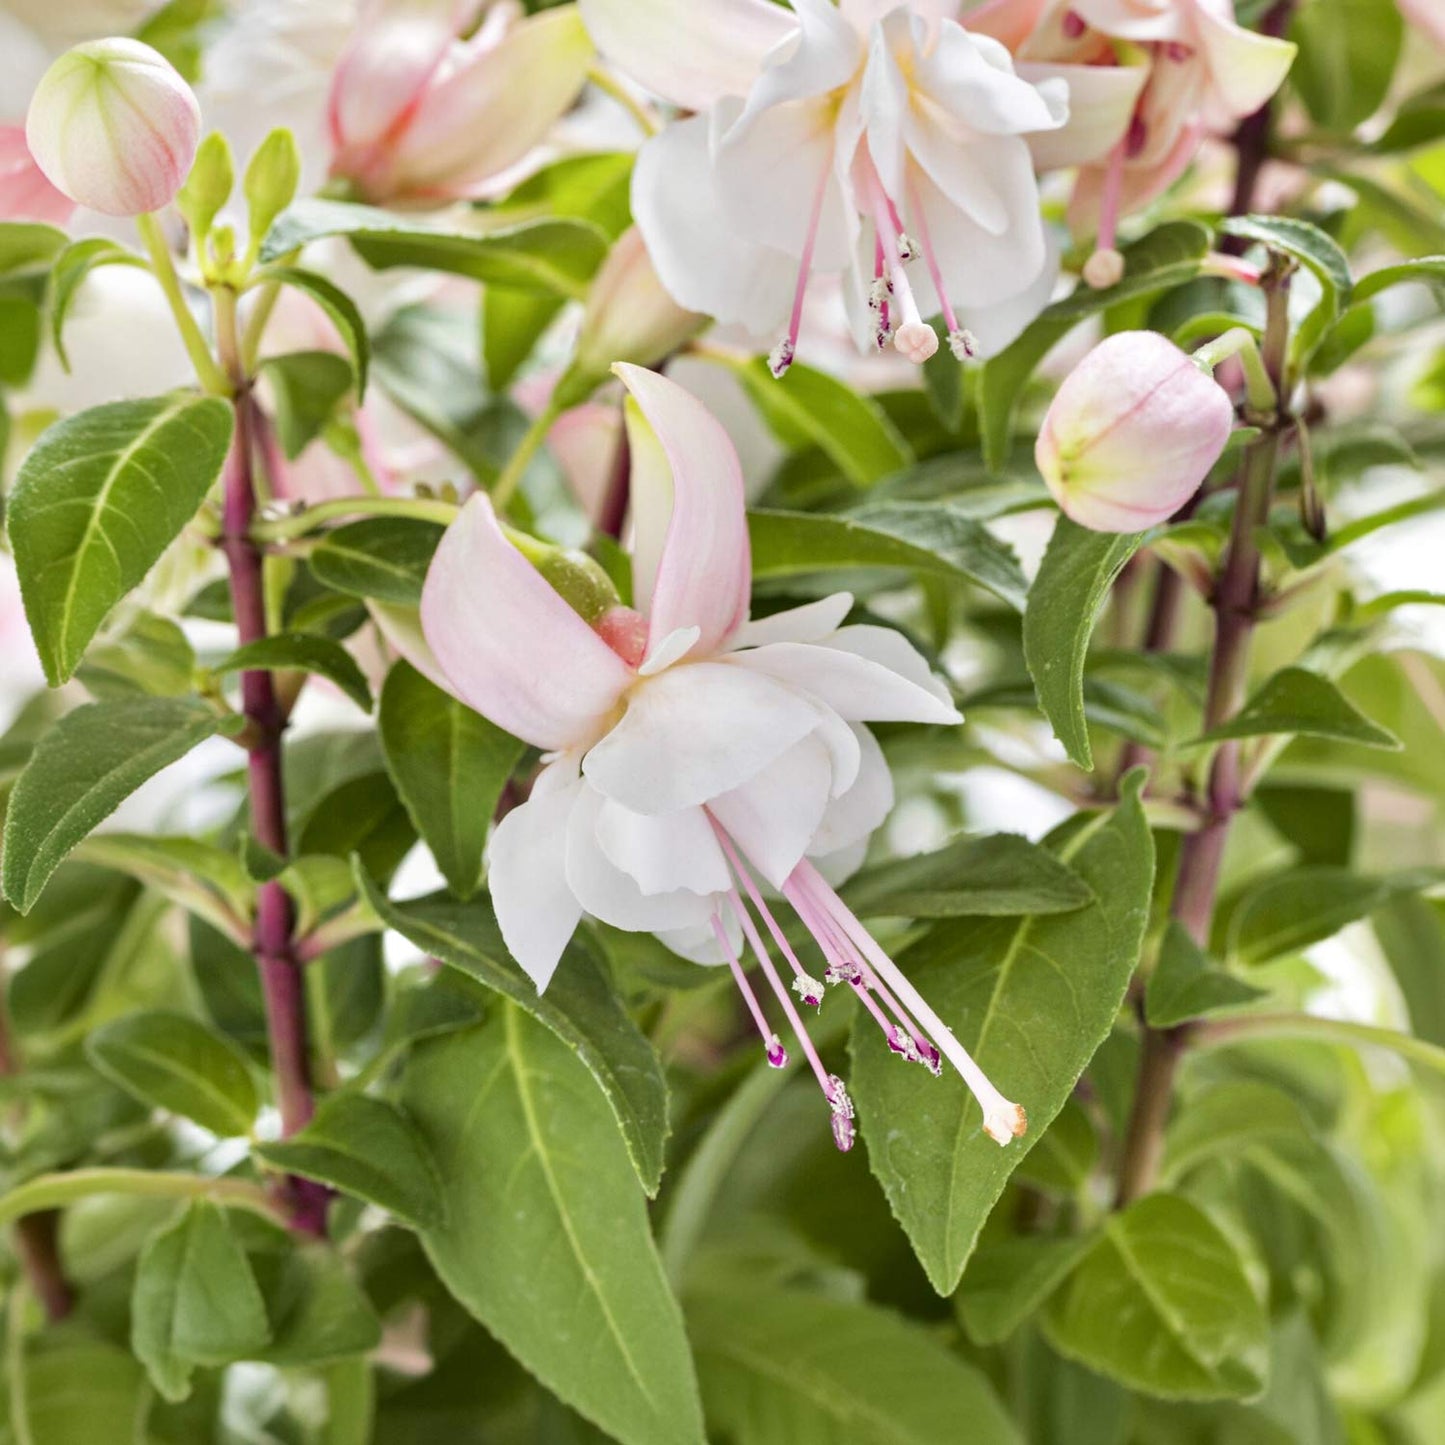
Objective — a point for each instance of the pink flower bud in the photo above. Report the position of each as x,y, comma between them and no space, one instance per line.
114,127
1132,433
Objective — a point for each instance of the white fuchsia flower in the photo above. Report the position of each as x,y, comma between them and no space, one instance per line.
417,113
1198,73
858,137
694,757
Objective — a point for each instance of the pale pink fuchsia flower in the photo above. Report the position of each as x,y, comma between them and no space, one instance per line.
416,113
114,127
1200,74
25,194
860,138
694,756
1131,433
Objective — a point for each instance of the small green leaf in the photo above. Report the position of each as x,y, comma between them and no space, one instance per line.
71,268
1226,1121
450,765
28,246
1348,50
579,1006
1009,1281
100,496
1297,701
1429,270
177,1063
307,387
304,652
546,1239
783,1367
917,536
1162,1304
1185,985
318,1312
272,175
368,1148
80,773
199,876
996,876
153,656
76,1390
1064,604
340,309
385,558
194,1301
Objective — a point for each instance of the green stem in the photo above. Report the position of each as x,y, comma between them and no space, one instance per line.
609,85
297,524
15,1364
511,475
1259,386
163,265
1220,1033
50,1191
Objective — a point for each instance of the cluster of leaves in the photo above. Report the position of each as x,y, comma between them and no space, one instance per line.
591,1214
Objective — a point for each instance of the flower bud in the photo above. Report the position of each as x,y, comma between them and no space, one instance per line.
114,127
1132,433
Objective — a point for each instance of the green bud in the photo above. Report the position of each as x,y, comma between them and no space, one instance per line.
576,578
208,187
272,176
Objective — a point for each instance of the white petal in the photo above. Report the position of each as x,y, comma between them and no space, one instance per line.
851,819
857,689
891,649
971,80
838,867
527,878
693,732
811,622
772,818
699,944
1101,105
676,645
664,852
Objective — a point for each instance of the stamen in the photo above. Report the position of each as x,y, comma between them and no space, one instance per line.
1106,266
844,1132
777,1055
1074,25
879,294
781,356
961,342
808,989
914,338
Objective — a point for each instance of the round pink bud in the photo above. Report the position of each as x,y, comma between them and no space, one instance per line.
114,127
1132,433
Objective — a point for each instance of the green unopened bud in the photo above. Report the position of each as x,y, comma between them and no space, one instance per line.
576,578
222,251
208,187
272,176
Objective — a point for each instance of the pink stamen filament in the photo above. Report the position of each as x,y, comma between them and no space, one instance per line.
931,259
1113,190
749,997
788,347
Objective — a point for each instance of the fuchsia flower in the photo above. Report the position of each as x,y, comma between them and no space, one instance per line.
1132,433
114,127
695,757
1200,73
25,193
859,137
416,113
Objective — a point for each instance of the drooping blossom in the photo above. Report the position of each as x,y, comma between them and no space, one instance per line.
1200,74
1131,433
694,757
860,137
114,127
417,113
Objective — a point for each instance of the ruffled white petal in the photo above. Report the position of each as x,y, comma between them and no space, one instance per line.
851,819
811,622
891,649
772,818
664,852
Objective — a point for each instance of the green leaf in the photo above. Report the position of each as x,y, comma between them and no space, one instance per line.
1064,603
153,656
547,1240
199,876
1166,257
80,773
512,325
1185,985
318,1312
1162,1304
76,1391
100,496
450,765
1227,1120
810,408
304,652
579,1006
385,558
368,1148
71,268
783,1367
555,255
996,876
1348,50
195,1300
1297,701
307,386
922,537
177,1063
28,246
1031,999
1008,1281
1427,269
340,309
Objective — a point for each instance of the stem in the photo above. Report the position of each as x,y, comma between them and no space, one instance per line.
511,475
163,266
50,1191
272,939
1235,603
610,85
297,524
613,513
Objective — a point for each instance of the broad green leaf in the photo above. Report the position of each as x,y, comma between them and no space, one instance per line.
1066,1155
1297,701
809,407
512,325
1348,50
305,652
1427,269
555,255
195,1300
1008,1281
918,536
306,387
28,245
1064,603
153,656
1227,1120
579,1006
592,187
1411,932
1319,822
71,268
80,1391
782,1367
996,876
98,499
1031,999
80,773
318,1312
340,310
1186,985
368,1148
20,327
1167,256
1162,1304
547,1240
176,1062
450,765
385,558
